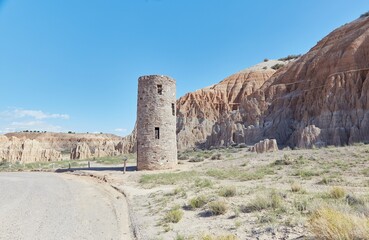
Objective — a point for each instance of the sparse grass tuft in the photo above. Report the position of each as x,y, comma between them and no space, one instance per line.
196,159
174,215
198,202
296,187
337,192
203,183
218,207
273,200
327,224
216,156
229,191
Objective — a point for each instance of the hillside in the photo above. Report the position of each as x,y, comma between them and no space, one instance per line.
319,99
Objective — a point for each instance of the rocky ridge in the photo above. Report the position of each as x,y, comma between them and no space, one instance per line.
31,147
319,99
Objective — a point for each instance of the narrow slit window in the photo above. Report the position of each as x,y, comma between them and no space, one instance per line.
173,109
157,133
160,89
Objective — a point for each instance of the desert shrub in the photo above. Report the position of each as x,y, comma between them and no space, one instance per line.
273,200
266,59
327,224
198,202
217,207
296,187
301,204
277,66
337,192
324,181
364,15
229,191
174,215
243,145
354,201
3,162
216,156
290,57
203,183
196,159
183,156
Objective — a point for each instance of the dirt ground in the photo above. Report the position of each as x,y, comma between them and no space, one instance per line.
232,193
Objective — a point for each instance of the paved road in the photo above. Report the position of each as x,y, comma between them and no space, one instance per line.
60,206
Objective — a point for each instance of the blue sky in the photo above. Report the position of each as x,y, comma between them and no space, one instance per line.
68,65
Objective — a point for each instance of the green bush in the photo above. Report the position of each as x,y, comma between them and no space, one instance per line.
277,66
198,202
290,57
364,15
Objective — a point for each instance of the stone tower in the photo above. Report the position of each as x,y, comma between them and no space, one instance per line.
156,123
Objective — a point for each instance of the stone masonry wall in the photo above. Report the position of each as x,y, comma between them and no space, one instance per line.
156,123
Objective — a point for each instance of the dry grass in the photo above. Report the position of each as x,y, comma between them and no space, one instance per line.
218,207
229,191
330,224
198,202
296,187
173,216
337,192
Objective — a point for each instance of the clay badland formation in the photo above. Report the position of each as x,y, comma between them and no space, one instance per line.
317,99
33,147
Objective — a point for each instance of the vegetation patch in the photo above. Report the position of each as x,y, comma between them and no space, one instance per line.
337,193
152,180
174,215
273,200
239,174
229,191
290,57
327,223
218,207
198,202
277,66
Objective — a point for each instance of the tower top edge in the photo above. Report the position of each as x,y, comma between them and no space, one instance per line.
152,77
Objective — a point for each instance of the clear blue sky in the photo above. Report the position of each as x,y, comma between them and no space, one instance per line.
73,64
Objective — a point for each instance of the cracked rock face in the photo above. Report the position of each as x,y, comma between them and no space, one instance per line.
267,145
25,151
319,99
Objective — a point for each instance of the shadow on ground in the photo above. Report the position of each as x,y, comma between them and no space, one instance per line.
119,169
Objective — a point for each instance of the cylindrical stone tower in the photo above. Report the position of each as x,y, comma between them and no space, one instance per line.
156,123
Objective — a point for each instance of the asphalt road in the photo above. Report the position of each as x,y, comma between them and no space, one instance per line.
60,206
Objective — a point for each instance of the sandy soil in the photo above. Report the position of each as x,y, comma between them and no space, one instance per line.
254,178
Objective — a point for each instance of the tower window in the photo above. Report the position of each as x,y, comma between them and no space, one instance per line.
157,133
160,89
173,110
